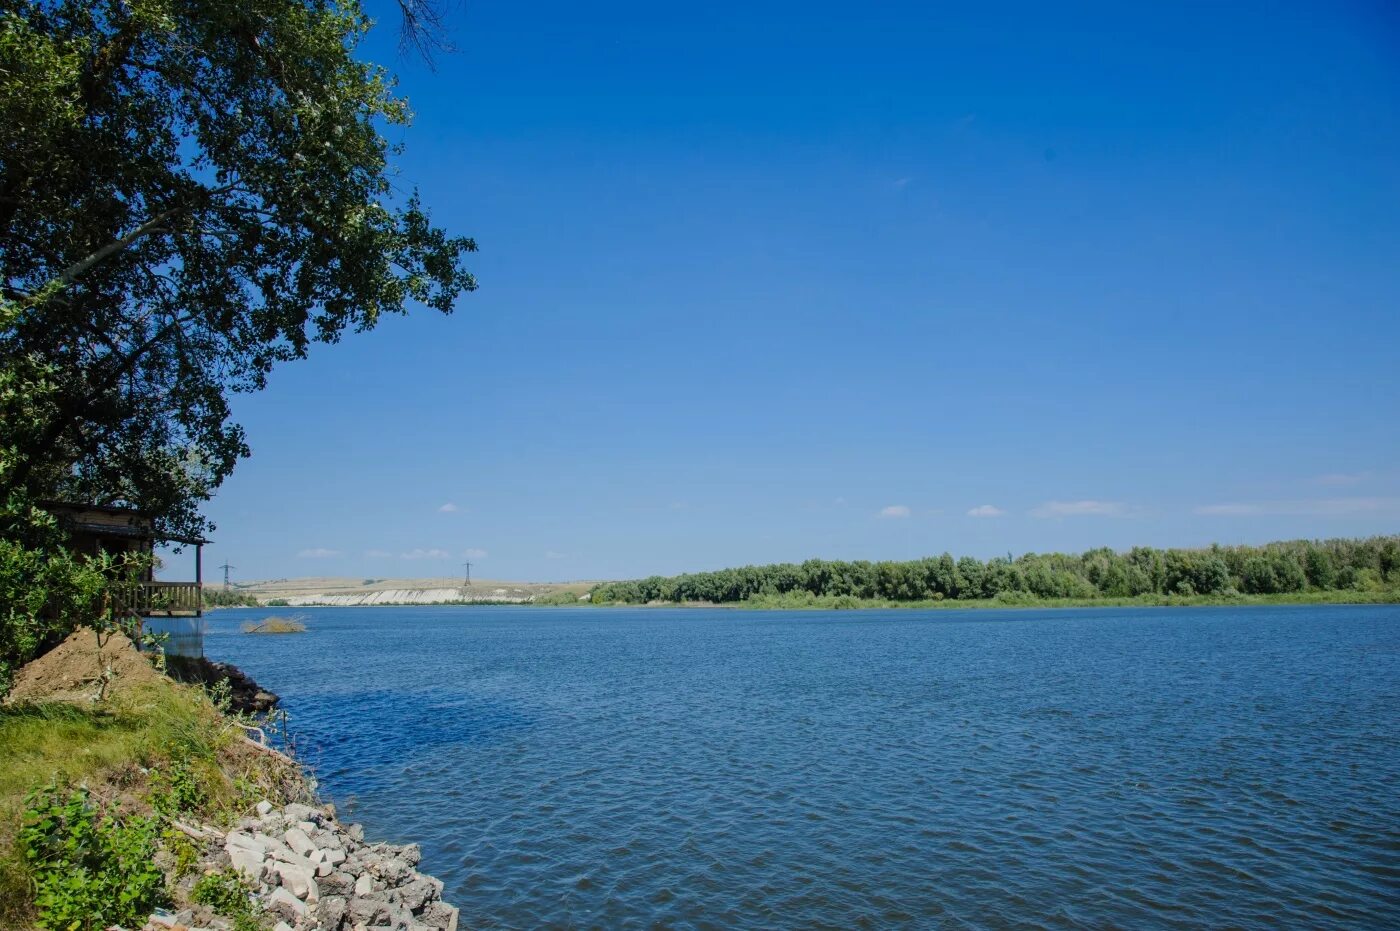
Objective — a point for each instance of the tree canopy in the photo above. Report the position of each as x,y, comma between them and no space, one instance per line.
190,193
1275,568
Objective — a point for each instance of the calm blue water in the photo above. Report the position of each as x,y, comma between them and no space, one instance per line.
723,769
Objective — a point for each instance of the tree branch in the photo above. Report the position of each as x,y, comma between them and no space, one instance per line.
77,269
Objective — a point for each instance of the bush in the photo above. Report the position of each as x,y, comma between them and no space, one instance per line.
44,595
175,790
89,872
228,895
215,598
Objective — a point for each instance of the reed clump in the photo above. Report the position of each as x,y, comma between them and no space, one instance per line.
277,624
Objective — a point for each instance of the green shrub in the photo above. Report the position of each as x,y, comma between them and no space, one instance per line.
89,871
175,790
44,595
228,894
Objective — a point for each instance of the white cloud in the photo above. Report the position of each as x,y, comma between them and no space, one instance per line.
1228,510
895,510
448,508
378,554
1342,478
551,554
901,183
1080,509
319,552
986,510
426,554
1310,507
474,553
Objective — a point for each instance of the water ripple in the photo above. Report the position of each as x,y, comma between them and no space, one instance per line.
714,769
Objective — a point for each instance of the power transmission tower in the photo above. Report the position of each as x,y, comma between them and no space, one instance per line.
226,567
469,574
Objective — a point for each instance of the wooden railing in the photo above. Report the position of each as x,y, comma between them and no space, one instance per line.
161,598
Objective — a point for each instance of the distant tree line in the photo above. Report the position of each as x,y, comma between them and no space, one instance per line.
1274,568
218,598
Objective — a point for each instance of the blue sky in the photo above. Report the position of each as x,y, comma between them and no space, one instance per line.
767,281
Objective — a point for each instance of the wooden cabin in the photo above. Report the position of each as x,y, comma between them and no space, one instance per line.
94,530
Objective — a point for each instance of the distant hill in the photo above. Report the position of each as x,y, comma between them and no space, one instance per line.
352,592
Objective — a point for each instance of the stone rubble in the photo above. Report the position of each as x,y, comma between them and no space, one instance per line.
313,874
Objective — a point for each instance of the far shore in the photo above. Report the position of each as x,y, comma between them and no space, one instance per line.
792,602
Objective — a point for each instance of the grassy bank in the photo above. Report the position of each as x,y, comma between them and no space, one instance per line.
805,601
150,753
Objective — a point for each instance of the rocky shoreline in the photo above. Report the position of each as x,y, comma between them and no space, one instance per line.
305,870
309,872
245,695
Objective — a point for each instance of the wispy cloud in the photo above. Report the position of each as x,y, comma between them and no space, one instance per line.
986,510
378,554
1341,478
319,552
901,183
1080,509
894,510
474,553
551,554
421,553
1306,507
448,508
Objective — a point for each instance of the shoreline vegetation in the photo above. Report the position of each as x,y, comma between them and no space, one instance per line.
1337,571
131,799
797,601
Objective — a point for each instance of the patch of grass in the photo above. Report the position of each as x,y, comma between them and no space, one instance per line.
107,747
160,749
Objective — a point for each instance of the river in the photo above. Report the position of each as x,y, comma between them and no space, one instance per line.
695,768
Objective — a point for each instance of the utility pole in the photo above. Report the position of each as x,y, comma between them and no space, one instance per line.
226,567
468,583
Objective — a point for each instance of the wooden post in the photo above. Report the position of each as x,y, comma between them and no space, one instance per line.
199,579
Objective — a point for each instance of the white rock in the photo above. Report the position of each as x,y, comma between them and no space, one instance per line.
294,878
298,812
263,808
334,856
272,844
281,901
283,854
281,926
245,841
363,884
324,868
248,862
297,840
317,856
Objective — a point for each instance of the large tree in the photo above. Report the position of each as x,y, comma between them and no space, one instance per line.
191,191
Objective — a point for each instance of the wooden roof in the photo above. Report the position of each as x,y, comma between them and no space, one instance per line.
106,520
